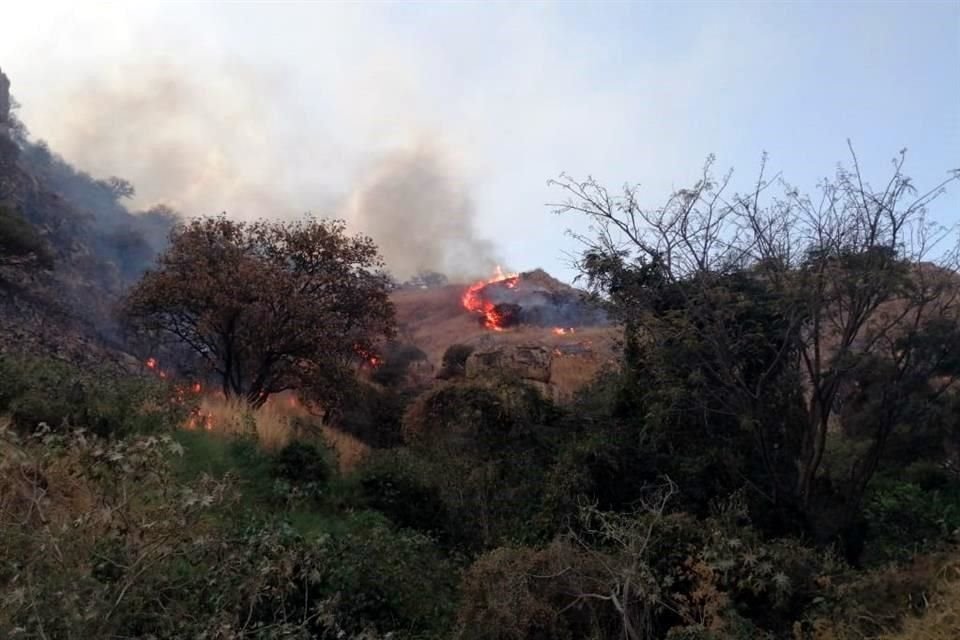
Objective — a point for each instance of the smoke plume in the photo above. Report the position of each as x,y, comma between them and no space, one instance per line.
237,142
421,216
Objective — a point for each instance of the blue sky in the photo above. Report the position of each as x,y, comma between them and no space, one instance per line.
269,109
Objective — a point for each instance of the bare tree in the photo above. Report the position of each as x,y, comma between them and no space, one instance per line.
622,545
861,281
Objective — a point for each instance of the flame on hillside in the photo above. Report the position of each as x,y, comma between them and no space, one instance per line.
184,394
494,316
474,302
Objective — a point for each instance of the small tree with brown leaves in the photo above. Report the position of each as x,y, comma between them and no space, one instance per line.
268,306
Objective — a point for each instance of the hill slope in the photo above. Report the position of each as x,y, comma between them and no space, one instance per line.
434,319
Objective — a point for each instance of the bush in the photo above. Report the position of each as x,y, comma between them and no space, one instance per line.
903,519
391,580
476,416
373,416
100,539
301,463
303,468
454,361
110,403
398,485
397,358
126,536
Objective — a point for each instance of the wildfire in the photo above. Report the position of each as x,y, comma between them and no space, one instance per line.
369,358
198,418
473,299
560,331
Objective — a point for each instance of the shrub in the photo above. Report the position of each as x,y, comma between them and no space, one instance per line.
397,358
904,518
475,416
391,580
398,485
108,402
372,415
20,240
300,463
303,468
454,361
97,539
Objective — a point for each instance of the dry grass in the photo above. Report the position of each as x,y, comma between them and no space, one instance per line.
277,423
941,620
433,319
350,451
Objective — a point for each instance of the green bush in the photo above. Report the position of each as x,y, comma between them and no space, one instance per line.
301,463
904,518
392,580
372,415
476,416
108,402
398,485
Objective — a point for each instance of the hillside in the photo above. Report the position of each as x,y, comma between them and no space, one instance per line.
68,247
433,319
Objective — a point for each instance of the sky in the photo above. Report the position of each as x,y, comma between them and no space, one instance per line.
435,127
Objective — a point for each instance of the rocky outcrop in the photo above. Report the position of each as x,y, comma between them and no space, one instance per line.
528,362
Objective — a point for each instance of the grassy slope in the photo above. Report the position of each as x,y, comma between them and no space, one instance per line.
433,319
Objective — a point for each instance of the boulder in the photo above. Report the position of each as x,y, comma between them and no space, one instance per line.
529,362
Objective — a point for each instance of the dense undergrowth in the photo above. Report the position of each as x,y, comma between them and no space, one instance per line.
501,516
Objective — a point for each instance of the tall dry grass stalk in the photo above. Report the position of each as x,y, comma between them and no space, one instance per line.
280,421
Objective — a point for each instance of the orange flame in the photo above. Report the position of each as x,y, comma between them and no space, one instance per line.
370,358
560,331
473,300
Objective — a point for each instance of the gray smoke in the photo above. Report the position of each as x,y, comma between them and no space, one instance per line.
528,300
420,215
204,146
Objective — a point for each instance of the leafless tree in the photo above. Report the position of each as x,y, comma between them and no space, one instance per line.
863,281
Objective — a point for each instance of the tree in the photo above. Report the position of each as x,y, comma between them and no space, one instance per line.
776,312
268,306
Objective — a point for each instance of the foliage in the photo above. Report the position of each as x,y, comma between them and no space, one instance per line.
454,361
884,601
905,518
761,321
372,414
267,306
397,358
99,539
303,466
481,416
470,434
643,575
399,484
109,402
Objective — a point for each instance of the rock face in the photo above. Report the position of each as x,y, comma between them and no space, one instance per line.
528,362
